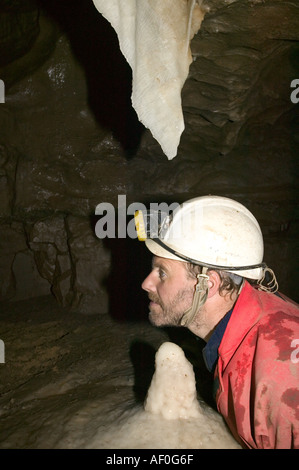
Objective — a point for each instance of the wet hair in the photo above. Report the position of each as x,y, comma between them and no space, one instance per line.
230,283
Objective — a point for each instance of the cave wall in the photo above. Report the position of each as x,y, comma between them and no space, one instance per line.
70,139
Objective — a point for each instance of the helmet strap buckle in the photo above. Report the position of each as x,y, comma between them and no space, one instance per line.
199,298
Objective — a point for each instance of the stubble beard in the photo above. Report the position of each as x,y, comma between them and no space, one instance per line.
170,314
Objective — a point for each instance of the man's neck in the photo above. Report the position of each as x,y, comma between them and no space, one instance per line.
211,314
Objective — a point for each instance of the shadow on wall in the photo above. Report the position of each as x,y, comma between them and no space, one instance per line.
108,75
130,264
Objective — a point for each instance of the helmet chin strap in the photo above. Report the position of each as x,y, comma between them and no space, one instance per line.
199,298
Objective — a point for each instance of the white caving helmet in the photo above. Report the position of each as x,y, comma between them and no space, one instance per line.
212,231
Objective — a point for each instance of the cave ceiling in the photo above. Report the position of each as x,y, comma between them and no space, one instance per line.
243,59
70,136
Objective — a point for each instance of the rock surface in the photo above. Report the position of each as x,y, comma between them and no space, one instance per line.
69,140
78,382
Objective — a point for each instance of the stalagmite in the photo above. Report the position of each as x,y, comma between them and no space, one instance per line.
154,37
172,416
172,393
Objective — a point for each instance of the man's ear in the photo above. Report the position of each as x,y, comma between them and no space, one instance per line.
213,283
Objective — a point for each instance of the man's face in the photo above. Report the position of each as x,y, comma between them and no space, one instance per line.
170,290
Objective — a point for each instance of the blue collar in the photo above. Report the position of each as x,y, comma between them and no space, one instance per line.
210,351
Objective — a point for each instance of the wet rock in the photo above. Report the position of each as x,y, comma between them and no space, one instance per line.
62,132
48,240
73,260
91,263
28,281
19,28
8,162
19,276
12,241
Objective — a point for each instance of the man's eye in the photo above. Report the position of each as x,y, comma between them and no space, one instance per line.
162,274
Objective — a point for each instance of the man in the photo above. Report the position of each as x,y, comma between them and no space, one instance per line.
208,275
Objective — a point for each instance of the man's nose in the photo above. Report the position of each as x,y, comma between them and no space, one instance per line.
149,283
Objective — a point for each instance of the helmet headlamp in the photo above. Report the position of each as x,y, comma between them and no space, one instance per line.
151,224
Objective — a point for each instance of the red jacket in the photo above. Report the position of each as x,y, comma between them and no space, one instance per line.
258,371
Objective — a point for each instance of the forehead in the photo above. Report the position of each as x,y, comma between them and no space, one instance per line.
169,265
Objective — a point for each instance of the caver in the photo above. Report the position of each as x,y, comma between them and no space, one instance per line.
209,275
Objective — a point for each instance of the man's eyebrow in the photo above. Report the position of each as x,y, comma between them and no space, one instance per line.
158,264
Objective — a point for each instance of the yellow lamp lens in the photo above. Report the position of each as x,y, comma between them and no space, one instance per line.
140,226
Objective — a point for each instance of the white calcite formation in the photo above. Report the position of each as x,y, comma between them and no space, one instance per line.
154,37
172,393
172,417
